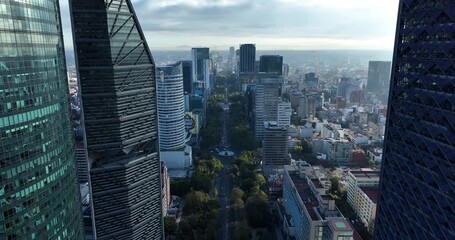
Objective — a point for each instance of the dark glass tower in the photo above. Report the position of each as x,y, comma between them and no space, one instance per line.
117,80
39,191
417,190
271,64
247,59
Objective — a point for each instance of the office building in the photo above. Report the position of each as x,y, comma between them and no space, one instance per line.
271,64
39,191
247,58
417,186
117,81
379,76
310,213
187,72
363,186
274,145
267,97
171,107
166,189
284,114
201,70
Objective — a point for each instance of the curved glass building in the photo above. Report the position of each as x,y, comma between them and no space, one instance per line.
39,191
171,107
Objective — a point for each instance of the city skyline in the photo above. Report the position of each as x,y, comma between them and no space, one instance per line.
272,25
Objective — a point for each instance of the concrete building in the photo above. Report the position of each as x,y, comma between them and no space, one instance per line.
284,114
339,151
363,193
274,145
379,76
331,131
267,97
310,212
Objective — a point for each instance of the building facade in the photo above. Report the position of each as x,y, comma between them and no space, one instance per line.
363,186
39,191
271,64
187,72
417,180
310,212
118,89
284,114
274,144
171,107
379,76
247,58
267,97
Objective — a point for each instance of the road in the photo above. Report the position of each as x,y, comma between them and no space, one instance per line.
224,184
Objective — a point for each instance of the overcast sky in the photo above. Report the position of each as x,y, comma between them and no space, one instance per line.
271,24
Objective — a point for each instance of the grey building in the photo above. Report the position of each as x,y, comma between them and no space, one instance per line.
187,71
267,97
118,88
275,145
379,76
39,191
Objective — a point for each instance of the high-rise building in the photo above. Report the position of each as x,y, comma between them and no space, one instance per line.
267,96
247,58
39,191
171,118
417,186
201,69
284,114
187,72
171,107
378,76
271,64
275,145
118,89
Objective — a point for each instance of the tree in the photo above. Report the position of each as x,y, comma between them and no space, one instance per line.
195,202
201,182
237,193
256,210
235,170
335,181
259,179
170,227
180,187
242,231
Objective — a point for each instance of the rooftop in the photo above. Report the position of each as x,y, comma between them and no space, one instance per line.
309,200
366,173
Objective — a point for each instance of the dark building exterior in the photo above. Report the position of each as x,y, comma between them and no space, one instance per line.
117,81
378,76
39,191
271,64
416,197
247,58
187,76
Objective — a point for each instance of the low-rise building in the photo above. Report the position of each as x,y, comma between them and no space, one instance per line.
362,194
310,212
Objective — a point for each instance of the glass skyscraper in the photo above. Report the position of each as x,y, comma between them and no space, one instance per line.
117,81
417,189
247,59
39,191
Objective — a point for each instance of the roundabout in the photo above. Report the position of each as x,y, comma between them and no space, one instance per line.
226,153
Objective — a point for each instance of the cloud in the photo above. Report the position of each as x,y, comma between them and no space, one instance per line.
335,24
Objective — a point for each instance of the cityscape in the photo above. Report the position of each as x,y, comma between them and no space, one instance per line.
107,135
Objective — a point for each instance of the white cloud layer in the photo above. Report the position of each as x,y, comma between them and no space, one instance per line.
271,24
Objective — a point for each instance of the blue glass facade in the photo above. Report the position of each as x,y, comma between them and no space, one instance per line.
417,187
118,90
39,191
